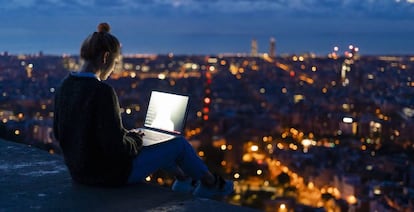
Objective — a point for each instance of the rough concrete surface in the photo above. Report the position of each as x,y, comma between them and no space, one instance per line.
34,180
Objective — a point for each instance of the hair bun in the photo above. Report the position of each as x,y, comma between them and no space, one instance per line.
104,27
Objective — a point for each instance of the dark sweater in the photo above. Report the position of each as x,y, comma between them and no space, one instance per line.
87,123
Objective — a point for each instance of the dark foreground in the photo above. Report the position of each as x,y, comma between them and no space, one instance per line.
32,179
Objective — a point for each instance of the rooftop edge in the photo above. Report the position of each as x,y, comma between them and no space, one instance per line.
33,179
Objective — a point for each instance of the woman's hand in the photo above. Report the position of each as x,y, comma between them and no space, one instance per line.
137,132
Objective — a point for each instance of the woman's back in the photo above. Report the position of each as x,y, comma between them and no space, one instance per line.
90,132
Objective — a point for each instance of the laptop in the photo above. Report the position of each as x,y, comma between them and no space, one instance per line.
165,118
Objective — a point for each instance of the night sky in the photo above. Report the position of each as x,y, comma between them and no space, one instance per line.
380,27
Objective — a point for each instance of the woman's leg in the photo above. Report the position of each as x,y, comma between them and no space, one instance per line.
173,153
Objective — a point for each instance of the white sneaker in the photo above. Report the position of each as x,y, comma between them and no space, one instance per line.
184,186
220,189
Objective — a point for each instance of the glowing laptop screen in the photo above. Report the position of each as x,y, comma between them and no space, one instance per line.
166,111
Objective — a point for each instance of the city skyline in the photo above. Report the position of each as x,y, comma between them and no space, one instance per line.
211,27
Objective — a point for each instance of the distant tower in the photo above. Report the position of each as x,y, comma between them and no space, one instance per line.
346,67
272,49
350,57
254,48
119,67
207,94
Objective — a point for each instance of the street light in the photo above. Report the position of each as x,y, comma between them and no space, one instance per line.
254,148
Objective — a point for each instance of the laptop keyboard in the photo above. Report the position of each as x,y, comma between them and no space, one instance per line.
156,136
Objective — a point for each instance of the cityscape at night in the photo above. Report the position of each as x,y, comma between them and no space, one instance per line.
294,131
307,105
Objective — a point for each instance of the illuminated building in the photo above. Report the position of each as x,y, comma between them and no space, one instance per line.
350,57
42,131
207,90
346,67
272,48
119,65
29,70
254,48
348,126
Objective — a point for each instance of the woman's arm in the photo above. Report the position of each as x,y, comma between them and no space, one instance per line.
110,131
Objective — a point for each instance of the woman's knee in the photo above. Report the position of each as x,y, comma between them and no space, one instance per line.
180,141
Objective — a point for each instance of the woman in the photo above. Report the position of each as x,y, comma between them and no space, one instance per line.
96,147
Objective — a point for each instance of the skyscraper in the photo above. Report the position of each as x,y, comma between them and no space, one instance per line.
272,48
254,48
348,64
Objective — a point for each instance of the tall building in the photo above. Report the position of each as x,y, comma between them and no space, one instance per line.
207,89
207,97
348,64
272,49
254,48
346,67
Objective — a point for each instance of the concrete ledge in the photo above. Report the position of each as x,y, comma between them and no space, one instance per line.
32,179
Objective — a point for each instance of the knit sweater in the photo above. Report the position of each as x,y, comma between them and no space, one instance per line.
97,149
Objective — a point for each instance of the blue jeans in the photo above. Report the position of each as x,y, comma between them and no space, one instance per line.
176,153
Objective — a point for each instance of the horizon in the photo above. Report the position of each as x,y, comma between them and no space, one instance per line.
227,54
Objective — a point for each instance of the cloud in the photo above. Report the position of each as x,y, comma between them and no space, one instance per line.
342,8
15,4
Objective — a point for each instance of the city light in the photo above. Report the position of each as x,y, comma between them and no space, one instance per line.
292,116
269,146
351,199
254,148
282,208
306,144
137,108
347,120
212,60
230,147
262,90
377,191
303,67
161,76
133,74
